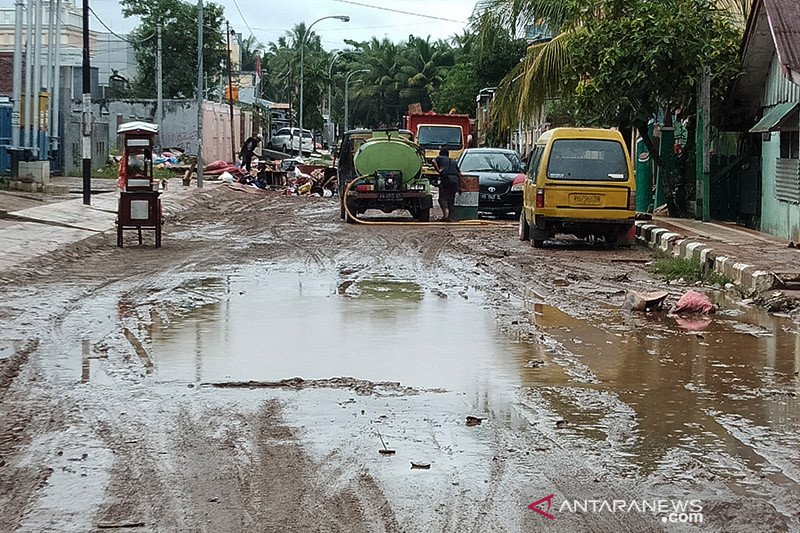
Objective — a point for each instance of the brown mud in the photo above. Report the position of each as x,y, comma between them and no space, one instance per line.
246,376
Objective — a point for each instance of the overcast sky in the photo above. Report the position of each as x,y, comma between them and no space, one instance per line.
269,19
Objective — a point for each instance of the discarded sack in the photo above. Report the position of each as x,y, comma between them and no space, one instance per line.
694,302
644,301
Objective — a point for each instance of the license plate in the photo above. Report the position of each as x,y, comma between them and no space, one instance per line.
586,199
389,196
490,197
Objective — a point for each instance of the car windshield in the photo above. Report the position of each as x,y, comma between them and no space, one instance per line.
433,137
491,162
587,160
306,134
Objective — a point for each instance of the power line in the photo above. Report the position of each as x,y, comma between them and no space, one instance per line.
399,11
119,36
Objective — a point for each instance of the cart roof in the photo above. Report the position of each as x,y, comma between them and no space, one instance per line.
137,127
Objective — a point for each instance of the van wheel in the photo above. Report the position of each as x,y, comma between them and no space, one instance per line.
524,228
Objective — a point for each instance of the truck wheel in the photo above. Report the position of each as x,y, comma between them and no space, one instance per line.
424,215
524,228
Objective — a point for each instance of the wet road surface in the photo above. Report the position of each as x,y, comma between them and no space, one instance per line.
163,398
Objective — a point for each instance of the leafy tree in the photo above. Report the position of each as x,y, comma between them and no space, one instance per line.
620,63
178,21
458,90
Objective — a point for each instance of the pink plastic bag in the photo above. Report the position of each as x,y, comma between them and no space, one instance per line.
694,302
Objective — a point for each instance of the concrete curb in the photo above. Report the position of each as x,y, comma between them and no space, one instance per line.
748,278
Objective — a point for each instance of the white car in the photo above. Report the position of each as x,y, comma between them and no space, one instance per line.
286,139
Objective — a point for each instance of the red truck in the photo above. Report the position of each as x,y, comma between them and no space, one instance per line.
433,131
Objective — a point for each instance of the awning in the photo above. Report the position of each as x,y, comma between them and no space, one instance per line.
778,118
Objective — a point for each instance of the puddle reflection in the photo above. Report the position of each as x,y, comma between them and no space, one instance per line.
678,378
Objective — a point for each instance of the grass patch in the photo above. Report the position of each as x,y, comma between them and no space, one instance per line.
690,270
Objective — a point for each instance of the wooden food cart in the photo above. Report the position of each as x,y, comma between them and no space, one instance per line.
139,202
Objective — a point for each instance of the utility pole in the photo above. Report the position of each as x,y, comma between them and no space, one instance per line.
37,78
159,79
702,141
87,110
16,76
56,103
28,76
230,92
199,94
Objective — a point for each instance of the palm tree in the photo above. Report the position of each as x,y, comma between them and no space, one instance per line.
424,68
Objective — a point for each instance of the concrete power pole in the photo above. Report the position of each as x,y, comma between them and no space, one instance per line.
87,110
37,78
199,93
56,102
230,93
159,81
26,143
17,89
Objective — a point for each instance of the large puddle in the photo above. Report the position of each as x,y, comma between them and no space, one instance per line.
642,387
282,325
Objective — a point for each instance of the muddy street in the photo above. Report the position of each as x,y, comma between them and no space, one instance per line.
272,368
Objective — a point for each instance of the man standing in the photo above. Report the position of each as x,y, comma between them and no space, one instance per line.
248,150
449,182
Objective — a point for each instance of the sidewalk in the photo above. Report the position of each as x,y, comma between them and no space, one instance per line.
30,233
755,261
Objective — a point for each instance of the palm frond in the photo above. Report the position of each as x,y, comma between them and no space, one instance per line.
525,89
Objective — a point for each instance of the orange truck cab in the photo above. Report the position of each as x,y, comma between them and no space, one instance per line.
580,181
434,131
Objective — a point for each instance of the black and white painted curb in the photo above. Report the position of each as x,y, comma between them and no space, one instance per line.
748,278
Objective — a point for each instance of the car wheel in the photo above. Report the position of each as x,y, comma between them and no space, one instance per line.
524,228
283,149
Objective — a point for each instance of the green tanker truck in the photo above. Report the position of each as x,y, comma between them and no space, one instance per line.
382,170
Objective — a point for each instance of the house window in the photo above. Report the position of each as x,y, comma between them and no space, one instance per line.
790,144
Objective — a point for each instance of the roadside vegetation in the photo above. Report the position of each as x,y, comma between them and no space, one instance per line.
689,270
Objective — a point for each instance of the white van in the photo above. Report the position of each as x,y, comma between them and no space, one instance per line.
286,139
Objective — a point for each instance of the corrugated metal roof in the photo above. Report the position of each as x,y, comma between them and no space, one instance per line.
784,21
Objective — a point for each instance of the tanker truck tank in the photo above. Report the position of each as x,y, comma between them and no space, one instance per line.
393,162
383,170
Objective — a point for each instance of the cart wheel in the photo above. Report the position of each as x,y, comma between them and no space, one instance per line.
119,235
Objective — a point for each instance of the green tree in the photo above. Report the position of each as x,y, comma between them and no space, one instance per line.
621,63
178,21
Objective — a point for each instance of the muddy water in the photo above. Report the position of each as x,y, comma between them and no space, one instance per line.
653,392
324,325
711,387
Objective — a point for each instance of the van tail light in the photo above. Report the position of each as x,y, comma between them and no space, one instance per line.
519,183
539,197
631,200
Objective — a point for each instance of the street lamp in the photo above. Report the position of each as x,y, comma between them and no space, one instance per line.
343,18
336,54
346,98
